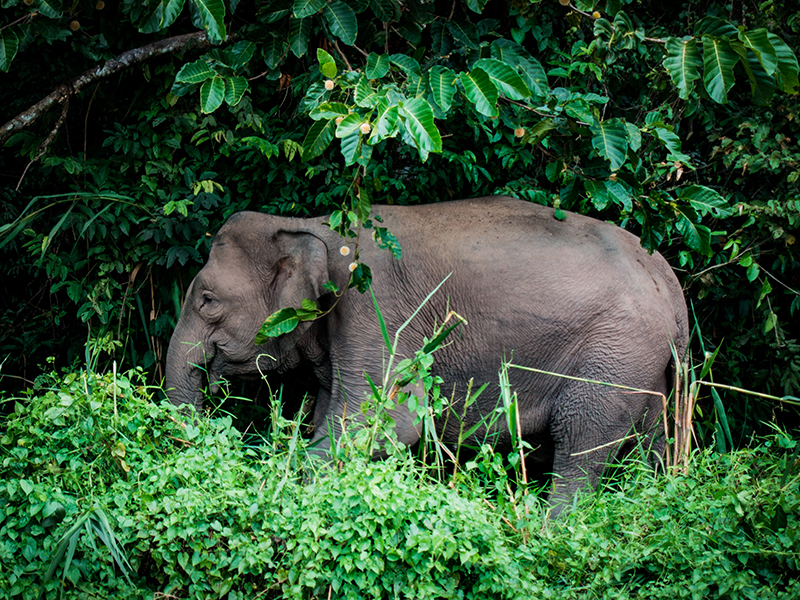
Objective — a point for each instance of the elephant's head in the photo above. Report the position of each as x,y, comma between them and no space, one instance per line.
258,265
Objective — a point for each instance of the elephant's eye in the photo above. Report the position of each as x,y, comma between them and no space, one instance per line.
207,300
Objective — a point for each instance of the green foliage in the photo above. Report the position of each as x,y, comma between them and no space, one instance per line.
200,511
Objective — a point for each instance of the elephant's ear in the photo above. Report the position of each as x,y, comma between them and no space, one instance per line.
301,273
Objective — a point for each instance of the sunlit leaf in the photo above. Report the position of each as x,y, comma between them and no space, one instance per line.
683,64
418,121
758,42
377,65
719,59
443,85
235,88
705,200
329,110
480,90
610,138
194,72
504,78
212,94
318,138
212,13
385,126
327,66
279,323
348,125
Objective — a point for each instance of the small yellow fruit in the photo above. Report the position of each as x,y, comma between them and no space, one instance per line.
596,15
339,120
519,132
28,2
563,2
329,84
344,250
74,26
100,5
612,177
352,266
364,128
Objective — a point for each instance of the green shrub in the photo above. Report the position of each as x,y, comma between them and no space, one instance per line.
203,511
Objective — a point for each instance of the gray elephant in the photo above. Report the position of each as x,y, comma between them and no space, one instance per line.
574,296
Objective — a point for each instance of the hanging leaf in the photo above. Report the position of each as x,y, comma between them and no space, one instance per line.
480,90
719,59
705,200
212,94
504,78
235,88
48,8
408,65
464,32
762,85
418,121
715,27
329,110
696,236
350,147
212,14
610,138
787,65
9,44
386,10
327,66
299,32
279,323
443,85
672,143
758,42
273,50
365,96
306,8
342,21
238,55
377,65
348,125
683,62
194,72
318,138
618,192
385,125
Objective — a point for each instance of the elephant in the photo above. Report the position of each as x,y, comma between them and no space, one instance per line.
570,295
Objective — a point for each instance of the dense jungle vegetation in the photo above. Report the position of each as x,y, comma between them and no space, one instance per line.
133,128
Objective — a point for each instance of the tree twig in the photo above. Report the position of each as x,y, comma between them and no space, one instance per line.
48,141
114,65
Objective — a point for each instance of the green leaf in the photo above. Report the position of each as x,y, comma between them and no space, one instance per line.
697,237
351,146
387,241
342,21
9,44
480,90
408,65
194,72
580,110
279,323
787,65
49,8
306,8
683,62
634,136
443,85
672,143
212,94
758,42
318,138
464,32
365,96
377,65
349,125
715,27
299,32
235,88
418,121
273,50
327,66
610,138
238,55
364,204
762,85
515,56
385,125
719,59
505,79
386,10
619,193
705,200
329,110
212,13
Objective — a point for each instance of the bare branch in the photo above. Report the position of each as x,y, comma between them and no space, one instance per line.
121,62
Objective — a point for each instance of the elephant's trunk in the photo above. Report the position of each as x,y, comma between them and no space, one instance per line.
185,374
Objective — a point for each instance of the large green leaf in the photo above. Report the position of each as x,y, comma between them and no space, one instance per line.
705,200
9,44
318,138
194,72
418,121
672,143
505,79
719,58
407,64
49,8
329,110
164,15
762,85
348,125
696,236
787,65
443,85
306,8
238,55
758,42
212,94
377,65
235,88
279,323
351,146
327,66
610,138
715,27
273,50
342,21
212,13
385,126
480,90
299,32
683,62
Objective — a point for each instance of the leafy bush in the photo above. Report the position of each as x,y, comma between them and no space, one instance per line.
202,511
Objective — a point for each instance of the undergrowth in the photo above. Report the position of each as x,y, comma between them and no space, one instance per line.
104,493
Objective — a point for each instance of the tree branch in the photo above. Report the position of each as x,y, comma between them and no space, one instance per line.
114,65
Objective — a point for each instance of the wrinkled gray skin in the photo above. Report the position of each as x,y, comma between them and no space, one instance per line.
576,296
